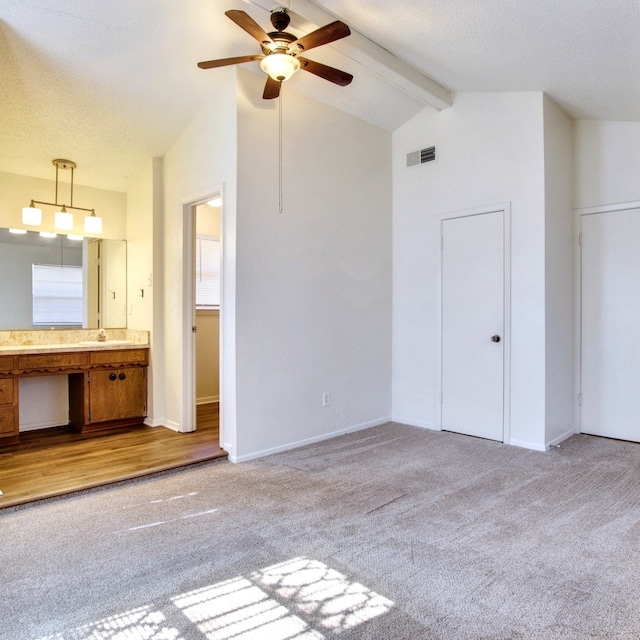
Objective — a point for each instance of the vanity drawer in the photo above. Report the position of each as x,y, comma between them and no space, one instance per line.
52,360
6,390
6,363
121,356
7,422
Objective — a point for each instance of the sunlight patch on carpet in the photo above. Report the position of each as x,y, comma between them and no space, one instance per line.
319,591
299,599
143,623
240,610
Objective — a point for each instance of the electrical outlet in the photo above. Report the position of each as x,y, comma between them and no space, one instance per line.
326,399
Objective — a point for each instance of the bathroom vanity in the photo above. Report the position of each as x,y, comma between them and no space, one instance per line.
107,382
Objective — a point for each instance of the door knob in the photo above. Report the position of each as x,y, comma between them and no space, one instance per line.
495,338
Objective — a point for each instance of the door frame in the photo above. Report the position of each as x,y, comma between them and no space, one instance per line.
505,208
189,204
609,208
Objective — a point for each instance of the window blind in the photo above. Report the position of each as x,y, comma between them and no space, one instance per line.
207,272
57,294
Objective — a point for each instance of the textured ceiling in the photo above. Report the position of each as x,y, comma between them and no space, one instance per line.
110,84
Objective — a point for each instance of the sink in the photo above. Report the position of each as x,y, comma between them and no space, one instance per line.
94,343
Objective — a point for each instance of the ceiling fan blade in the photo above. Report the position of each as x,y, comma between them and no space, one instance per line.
328,73
323,35
246,22
271,89
223,62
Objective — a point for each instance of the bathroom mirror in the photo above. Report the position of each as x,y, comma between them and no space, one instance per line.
94,268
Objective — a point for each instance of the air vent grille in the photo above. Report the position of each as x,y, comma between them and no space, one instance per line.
428,154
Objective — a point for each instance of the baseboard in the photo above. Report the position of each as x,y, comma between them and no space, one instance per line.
45,424
561,438
302,443
415,423
207,400
161,422
170,424
535,446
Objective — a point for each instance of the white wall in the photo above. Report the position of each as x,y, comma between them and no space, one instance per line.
313,282
490,150
201,160
607,163
560,248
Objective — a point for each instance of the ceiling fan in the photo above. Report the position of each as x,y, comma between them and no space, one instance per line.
279,58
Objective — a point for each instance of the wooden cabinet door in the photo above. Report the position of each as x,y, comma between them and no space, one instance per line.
7,422
8,408
7,390
117,394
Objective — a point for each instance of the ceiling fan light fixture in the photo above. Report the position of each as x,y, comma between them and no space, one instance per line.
280,66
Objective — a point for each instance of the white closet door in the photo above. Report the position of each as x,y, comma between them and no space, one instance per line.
473,325
610,354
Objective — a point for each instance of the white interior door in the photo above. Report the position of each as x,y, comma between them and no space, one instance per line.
473,325
610,353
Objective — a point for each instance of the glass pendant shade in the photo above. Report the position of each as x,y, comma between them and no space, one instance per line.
93,224
63,220
280,66
31,216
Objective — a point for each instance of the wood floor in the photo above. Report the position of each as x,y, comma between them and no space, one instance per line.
52,462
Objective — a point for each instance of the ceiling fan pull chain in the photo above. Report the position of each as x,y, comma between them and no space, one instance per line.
280,207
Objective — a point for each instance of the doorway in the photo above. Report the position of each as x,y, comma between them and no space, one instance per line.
610,331
206,288
474,323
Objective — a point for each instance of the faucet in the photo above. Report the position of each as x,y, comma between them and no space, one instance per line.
102,336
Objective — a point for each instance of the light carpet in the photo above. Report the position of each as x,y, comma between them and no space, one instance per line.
390,533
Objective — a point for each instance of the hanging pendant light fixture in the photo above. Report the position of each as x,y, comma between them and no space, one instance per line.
63,219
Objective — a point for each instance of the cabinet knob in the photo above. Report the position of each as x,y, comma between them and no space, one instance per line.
122,376
112,376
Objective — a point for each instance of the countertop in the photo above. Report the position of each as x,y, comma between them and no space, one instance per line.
22,349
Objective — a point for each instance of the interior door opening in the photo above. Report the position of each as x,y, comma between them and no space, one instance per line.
206,288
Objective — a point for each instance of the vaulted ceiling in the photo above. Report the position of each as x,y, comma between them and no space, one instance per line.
111,84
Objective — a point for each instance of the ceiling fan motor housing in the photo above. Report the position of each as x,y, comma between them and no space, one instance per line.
280,19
